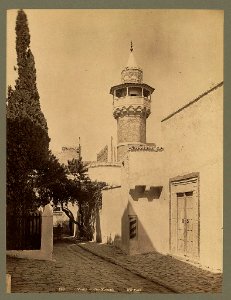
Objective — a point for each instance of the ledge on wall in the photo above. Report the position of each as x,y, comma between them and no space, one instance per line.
95,164
110,187
145,191
145,147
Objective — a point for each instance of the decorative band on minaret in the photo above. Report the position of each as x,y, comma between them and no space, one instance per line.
131,106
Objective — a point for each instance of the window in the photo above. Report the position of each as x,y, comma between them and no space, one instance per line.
134,91
132,227
189,193
121,93
180,195
184,194
118,93
146,93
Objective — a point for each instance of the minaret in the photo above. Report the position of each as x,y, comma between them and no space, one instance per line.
131,106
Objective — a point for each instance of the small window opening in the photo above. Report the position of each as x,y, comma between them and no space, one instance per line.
134,91
180,194
189,193
132,227
121,93
118,93
146,93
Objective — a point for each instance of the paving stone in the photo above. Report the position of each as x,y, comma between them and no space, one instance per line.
183,277
75,270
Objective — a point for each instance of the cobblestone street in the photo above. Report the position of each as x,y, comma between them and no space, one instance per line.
179,276
75,270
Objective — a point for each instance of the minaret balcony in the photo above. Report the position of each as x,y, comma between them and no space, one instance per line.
131,105
132,101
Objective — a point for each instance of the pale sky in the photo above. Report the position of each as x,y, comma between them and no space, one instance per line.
79,55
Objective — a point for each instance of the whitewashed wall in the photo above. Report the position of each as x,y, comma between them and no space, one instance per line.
145,169
111,215
193,142
111,174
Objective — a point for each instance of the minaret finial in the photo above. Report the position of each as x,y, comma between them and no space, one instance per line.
131,49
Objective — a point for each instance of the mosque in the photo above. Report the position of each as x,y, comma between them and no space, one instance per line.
169,197
166,198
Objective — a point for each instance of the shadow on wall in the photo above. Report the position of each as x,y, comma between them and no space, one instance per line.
135,239
132,236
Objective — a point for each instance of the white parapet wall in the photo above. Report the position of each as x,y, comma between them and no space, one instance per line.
105,172
46,251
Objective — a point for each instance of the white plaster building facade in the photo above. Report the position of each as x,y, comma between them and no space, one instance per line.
169,198
193,163
59,217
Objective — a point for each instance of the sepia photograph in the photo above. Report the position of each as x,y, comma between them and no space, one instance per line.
114,151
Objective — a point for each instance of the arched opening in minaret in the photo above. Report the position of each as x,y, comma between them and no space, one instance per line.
146,93
121,93
135,92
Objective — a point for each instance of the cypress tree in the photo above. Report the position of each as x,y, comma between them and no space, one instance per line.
27,132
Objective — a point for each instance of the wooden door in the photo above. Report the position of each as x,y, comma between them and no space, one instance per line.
189,199
184,218
185,223
180,223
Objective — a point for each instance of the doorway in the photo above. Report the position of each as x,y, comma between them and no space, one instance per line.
184,218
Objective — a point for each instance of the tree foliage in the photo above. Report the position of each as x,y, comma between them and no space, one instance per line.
88,196
52,182
89,208
34,175
27,133
71,184
78,169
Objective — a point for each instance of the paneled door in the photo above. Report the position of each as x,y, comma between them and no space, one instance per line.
189,223
185,223
184,220
180,223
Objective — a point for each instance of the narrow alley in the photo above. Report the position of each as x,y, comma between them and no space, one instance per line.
75,270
